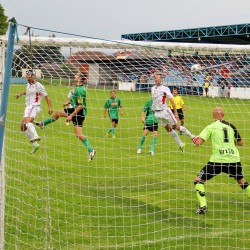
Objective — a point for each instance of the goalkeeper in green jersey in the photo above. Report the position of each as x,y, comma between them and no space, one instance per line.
225,156
150,124
75,113
114,106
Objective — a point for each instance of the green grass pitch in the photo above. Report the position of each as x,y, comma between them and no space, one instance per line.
55,199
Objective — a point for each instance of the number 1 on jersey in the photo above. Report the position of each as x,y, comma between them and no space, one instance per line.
225,135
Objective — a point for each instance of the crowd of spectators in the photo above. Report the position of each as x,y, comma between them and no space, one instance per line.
177,71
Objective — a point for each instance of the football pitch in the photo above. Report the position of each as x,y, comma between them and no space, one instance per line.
55,199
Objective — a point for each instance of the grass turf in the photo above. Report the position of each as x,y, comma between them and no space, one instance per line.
55,199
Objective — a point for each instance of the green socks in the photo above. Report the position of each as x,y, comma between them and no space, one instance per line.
143,138
87,144
153,144
142,141
48,121
112,130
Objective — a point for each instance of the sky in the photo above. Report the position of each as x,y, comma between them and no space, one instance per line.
109,19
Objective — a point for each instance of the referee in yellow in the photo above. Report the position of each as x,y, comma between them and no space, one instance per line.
180,106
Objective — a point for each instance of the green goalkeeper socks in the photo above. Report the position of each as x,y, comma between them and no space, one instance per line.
200,192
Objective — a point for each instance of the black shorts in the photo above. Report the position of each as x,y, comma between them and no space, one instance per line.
78,119
180,113
151,127
212,169
114,120
69,111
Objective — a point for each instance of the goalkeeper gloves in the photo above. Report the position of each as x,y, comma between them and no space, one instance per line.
194,140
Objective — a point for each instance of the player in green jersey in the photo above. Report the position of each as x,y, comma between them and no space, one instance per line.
225,156
76,113
113,105
150,124
58,113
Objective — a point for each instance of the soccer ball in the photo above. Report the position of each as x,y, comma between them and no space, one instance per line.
196,67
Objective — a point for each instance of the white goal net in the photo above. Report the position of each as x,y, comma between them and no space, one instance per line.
56,199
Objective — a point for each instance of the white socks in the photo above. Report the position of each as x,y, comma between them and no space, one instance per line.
30,132
185,131
176,137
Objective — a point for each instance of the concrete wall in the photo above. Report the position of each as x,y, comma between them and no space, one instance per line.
241,93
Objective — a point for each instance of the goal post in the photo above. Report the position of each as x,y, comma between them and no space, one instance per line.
4,78
56,199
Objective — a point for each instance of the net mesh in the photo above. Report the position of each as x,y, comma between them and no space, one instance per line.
56,199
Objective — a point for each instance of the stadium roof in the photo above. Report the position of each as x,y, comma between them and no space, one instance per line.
229,34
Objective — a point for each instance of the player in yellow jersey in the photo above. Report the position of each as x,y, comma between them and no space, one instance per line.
180,106
207,84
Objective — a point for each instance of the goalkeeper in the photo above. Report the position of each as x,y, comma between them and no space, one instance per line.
225,156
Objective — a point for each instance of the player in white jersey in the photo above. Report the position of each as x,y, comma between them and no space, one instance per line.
33,95
163,113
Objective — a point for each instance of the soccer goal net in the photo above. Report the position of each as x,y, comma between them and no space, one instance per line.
124,198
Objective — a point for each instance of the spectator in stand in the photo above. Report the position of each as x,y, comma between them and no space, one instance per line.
227,90
143,78
224,74
222,85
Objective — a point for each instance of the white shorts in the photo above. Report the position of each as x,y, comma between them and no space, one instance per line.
31,111
165,117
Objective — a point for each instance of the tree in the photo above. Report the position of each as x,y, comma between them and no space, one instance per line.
3,21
